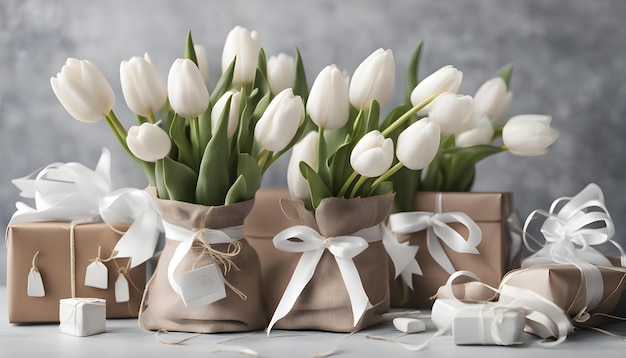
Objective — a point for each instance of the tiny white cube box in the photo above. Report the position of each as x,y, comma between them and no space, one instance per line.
82,316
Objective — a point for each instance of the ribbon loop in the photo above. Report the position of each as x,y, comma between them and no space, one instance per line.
312,245
437,230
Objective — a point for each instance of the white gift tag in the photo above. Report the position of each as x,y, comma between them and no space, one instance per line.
35,284
97,275
201,287
122,293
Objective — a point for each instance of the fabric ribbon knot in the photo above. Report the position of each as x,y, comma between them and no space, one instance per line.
205,237
437,230
570,234
72,192
312,246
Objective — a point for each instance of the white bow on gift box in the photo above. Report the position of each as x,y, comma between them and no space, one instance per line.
73,192
570,232
437,230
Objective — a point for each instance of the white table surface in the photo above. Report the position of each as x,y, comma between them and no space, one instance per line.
123,338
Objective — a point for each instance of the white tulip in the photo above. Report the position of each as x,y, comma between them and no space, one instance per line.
143,88
492,99
233,114
203,61
304,151
281,72
148,142
480,132
245,46
372,155
188,94
451,112
83,90
528,134
280,121
445,79
328,104
373,79
418,144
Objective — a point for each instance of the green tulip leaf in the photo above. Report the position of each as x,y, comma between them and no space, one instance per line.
249,169
190,51
224,83
300,86
160,181
393,116
339,165
383,188
319,190
262,63
405,183
180,180
237,192
506,73
178,133
412,73
214,175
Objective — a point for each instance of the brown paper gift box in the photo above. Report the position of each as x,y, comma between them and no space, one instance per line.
52,240
564,285
490,211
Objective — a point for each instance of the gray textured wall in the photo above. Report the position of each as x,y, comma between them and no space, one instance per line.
569,58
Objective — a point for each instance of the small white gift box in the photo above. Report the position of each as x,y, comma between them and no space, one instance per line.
480,324
82,316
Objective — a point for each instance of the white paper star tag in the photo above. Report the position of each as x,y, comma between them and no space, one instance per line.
122,293
202,286
97,275
35,284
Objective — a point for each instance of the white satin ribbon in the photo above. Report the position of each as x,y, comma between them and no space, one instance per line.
187,237
403,257
312,246
569,235
543,318
72,192
437,229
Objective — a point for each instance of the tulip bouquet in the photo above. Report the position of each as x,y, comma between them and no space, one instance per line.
205,148
439,134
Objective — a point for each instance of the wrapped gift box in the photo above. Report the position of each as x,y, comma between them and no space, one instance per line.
54,263
82,317
491,212
565,286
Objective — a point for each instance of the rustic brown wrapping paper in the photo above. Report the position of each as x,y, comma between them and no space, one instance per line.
564,285
52,240
324,304
490,211
164,309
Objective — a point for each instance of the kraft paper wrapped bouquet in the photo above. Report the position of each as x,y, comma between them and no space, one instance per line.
80,239
440,226
334,221
204,155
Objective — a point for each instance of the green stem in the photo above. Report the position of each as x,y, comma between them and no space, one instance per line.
263,158
152,119
320,153
195,141
386,176
408,114
117,126
271,161
358,185
346,185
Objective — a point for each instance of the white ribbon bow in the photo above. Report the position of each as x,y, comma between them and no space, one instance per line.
312,245
187,238
570,233
437,228
73,192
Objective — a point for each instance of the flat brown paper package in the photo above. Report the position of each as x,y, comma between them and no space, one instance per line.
490,211
52,240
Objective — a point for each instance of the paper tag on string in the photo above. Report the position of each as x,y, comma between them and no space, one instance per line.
35,284
201,287
97,275
122,292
